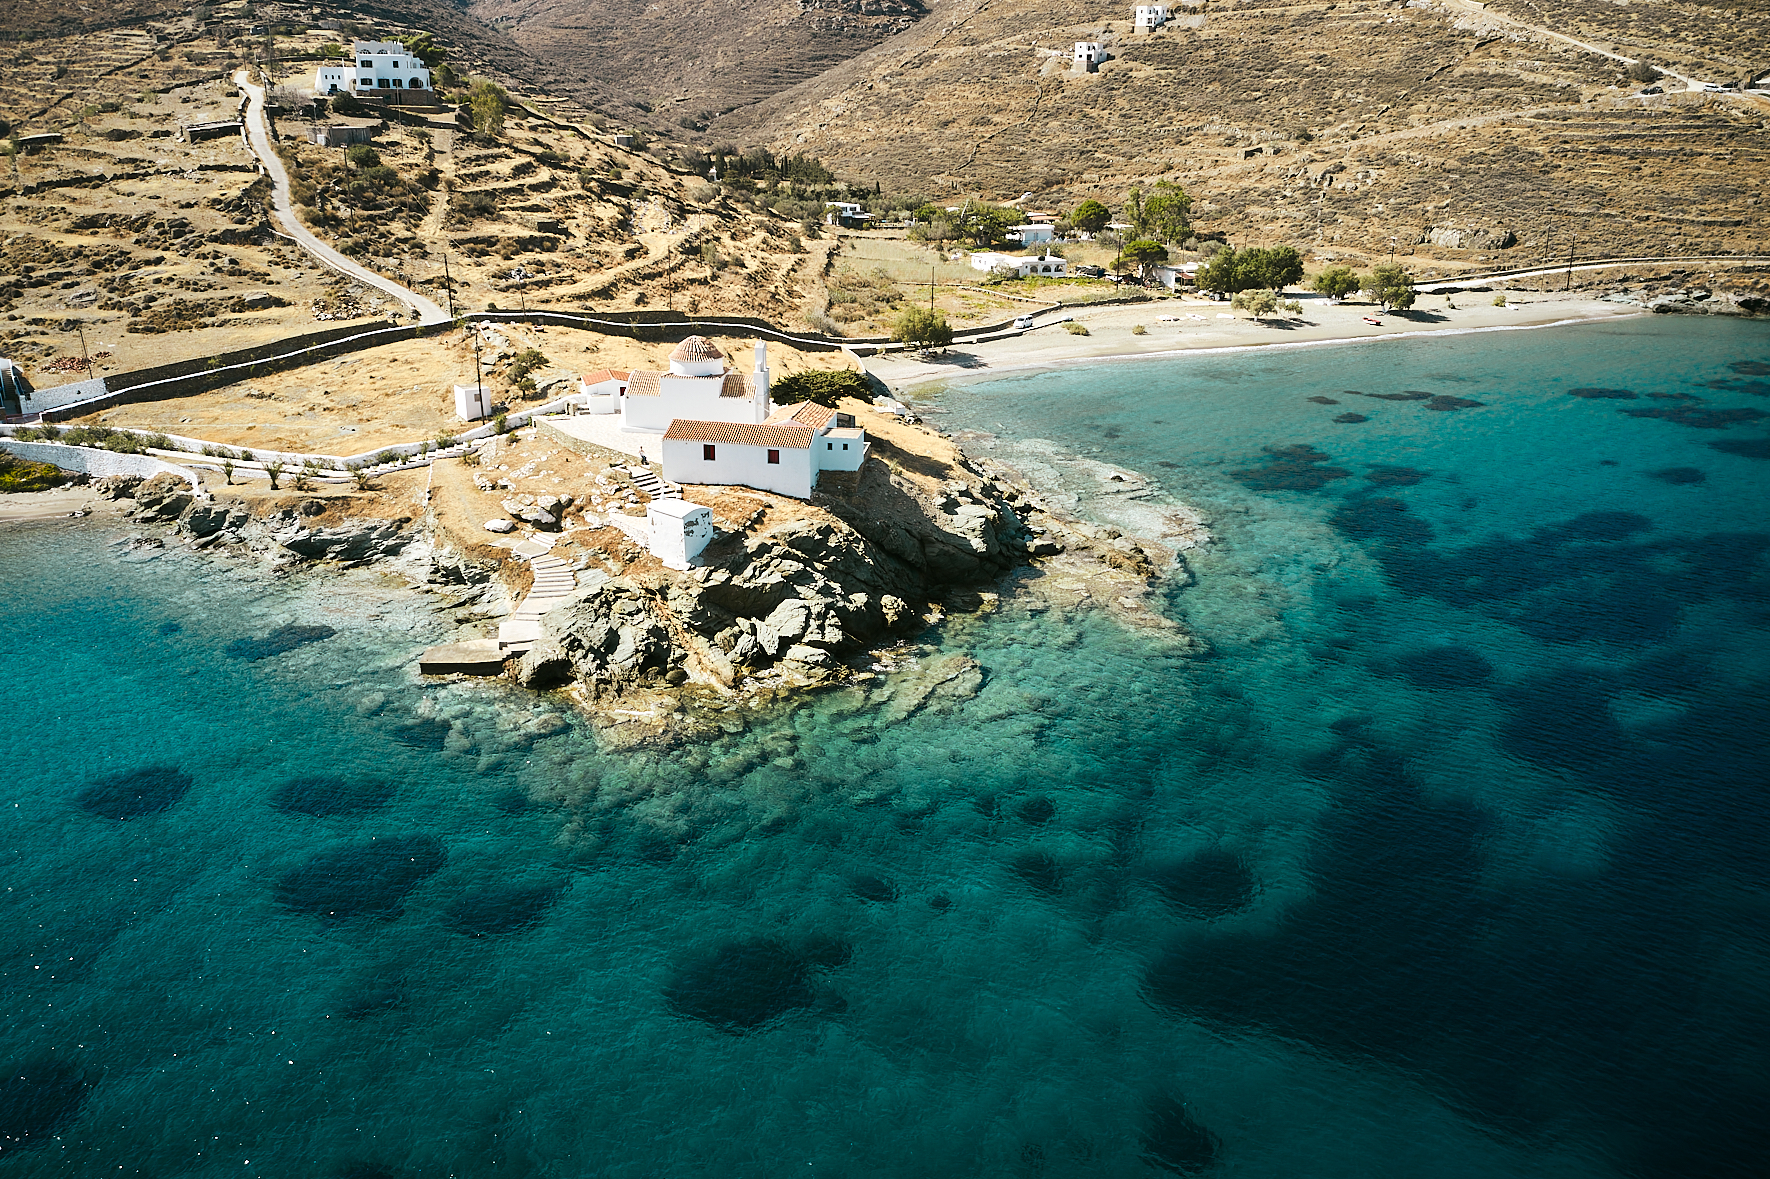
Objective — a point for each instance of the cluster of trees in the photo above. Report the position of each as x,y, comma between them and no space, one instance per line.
760,165
826,387
1388,284
1229,271
981,225
1162,214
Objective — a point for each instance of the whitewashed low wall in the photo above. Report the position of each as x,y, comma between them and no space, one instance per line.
97,463
40,400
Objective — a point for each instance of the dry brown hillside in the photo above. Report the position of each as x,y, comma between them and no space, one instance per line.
1329,123
684,61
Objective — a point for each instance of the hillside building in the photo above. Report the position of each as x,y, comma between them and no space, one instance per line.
1021,265
696,386
1147,18
376,69
1087,57
784,454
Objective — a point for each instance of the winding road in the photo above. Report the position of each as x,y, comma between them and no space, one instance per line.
258,136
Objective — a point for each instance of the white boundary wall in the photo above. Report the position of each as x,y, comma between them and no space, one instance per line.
98,463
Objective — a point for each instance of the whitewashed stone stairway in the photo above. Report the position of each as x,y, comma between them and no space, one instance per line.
554,581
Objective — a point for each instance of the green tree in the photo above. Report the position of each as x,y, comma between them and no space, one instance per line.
1161,213
824,386
362,155
1390,285
1090,216
922,326
1274,269
425,50
985,225
488,102
1221,273
1336,282
1257,301
1145,255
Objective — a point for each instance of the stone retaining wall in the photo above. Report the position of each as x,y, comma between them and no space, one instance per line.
97,463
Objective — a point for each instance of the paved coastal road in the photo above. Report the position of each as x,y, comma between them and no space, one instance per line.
258,135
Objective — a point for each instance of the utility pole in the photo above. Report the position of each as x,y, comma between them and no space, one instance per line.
449,283
81,328
931,288
1570,248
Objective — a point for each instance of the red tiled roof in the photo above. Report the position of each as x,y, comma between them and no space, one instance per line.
737,385
696,348
740,434
607,374
643,383
806,413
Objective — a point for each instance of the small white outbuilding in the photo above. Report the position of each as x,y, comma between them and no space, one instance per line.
679,531
473,402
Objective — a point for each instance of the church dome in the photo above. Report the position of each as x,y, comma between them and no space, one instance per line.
696,349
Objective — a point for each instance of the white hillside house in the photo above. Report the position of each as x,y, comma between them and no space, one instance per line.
1147,18
375,68
1020,264
1087,56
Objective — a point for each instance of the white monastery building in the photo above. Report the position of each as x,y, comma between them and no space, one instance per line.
1147,18
376,67
720,427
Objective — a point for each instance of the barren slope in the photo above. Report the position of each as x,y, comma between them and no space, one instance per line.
689,59
1347,123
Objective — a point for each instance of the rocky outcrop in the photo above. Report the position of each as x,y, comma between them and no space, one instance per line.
1701,301
797,598
355,541
164,497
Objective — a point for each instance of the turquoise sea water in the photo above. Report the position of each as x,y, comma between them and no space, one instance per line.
1441,852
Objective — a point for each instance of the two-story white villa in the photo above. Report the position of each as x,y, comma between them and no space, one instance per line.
1147,18
375,67
1087,56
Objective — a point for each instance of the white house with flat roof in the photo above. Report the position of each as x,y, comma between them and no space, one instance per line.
374,68
1033,233
1087,56
1147,18
1020,264
697,386
784,454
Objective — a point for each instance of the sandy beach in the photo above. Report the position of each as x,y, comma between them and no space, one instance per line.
1178,326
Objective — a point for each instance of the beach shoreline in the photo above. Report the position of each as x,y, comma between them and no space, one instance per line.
1211,329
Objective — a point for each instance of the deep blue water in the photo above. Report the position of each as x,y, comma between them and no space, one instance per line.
1440,851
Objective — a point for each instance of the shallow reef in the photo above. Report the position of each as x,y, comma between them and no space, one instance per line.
331,796
37,1098
1386,476
1350,419
742,985
505,909
1039,870
1596,393
134,793
1449,666
1744,447
282,639
1678,475
1324,401
1700,419
1291,468
1174,1142
362,879
1211,883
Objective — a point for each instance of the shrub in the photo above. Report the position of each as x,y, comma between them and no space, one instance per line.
923,326
18,475
501,424
1138,329
361,478
386,457
1076,329
825,387
362,155
274,468
1499,300
444,441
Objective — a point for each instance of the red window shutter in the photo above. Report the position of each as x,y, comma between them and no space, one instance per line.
774,456
707,452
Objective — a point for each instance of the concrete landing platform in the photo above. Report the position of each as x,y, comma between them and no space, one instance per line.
474,657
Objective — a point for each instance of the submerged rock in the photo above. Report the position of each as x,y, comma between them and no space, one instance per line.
507,909
741,986
1174,1142
1209,884
283,638
37,1098
134,793
361,879
1679,475
1700,419
330,796
1597,393
1291,468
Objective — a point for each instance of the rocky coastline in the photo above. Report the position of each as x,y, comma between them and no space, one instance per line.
792,598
